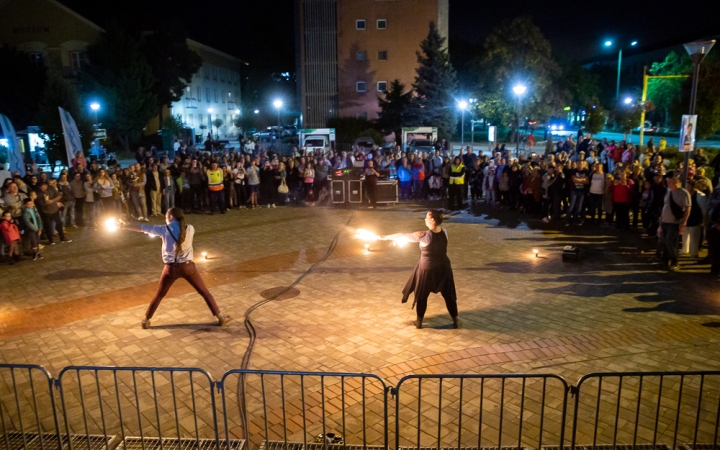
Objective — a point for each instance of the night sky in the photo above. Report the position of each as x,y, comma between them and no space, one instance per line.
255,29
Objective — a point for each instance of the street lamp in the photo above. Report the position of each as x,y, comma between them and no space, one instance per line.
95,106
257,111
519,90
462,104
610,44
628,100
278,104
698,51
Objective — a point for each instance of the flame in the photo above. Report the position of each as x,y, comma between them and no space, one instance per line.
365,235
400,242
111,225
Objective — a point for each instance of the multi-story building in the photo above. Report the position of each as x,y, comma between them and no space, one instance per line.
349,51
55,36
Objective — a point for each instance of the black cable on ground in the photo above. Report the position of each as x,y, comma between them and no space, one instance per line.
251,328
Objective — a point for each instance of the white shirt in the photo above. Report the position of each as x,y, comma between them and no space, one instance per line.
168,241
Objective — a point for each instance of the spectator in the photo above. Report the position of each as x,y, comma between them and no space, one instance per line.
622,192
33,228
11,236
253,180
170,188
49,206
104,187
673,219
579,180
216,188
692,237
13,200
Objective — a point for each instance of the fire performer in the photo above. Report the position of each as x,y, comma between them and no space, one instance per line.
433,272
177,254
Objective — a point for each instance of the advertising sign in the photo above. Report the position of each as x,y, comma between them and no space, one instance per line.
492,133
687,133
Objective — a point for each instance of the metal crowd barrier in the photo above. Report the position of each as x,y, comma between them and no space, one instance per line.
479,411
149,408
314,409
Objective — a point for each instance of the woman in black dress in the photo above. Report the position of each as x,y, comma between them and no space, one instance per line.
433,272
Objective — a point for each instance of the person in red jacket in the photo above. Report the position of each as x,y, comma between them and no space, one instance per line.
11,234
622,192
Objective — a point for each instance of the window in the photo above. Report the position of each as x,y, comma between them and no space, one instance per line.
382,24
190,120
360,24
382,55
222,98
36,58
222,75
77,59
361,56
215,71
360,86
382,86
188,93
216,96
199,94
207,95
206,71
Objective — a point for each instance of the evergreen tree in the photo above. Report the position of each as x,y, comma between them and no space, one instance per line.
392,108
60,92
435,83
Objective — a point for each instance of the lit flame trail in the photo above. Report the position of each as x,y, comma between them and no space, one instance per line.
365,235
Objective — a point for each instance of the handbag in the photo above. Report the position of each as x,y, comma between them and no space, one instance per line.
283,188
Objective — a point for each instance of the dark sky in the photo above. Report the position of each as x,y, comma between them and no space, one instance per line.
262,30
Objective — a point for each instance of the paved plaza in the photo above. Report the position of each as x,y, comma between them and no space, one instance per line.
612,310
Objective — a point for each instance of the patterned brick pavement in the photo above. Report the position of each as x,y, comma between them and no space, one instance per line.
611,311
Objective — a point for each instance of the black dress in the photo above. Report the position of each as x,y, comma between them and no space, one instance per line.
433,273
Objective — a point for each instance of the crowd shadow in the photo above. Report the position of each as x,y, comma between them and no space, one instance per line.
74,274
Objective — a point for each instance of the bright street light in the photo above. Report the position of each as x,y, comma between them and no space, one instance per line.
462,104
210,110
257,111
628,100
237,111
608,43
519,89
633,43
278,104
95,106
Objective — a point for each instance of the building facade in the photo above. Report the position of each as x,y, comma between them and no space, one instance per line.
55,36
349,51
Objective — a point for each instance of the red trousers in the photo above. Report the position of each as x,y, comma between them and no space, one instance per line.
188,271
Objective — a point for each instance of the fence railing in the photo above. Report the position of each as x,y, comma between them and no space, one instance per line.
144,408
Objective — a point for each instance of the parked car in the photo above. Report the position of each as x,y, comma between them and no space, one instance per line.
365,142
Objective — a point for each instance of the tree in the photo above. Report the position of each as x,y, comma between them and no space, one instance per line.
60,92
595,119
347,129
517,52
626,117
708,97
118,73
435,82
174,125
582,85
217,123
666,93
172,63
21,87
392,107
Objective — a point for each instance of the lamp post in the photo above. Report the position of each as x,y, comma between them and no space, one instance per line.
698,51
610,44
519,90
278,104
95,106
462,104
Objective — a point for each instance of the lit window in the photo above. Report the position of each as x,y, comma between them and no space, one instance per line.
360,24
188,93
360,86
36,58
382,86
77,59
382,24
361,56
382,55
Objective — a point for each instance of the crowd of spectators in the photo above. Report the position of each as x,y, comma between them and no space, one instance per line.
588,183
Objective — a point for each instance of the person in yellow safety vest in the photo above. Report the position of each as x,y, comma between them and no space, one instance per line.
457,183
216,186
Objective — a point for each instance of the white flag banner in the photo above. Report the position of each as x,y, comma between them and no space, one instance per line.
15,156
72,135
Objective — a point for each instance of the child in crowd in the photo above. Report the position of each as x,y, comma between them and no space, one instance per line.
33,227
11,234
